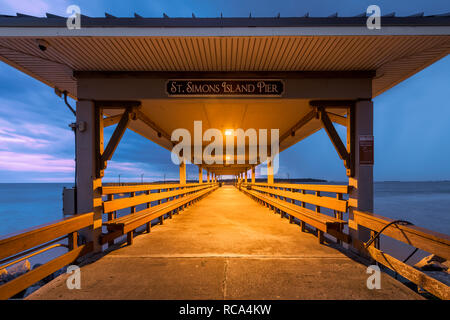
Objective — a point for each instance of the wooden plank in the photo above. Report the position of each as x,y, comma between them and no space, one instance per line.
337,119
116,137
427,240
327,202
27,239
302,122
122,203
145,187
416,276
26,280
109,121
311,187
335,139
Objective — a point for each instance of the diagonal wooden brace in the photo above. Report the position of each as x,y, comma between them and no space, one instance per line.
334,137
117,135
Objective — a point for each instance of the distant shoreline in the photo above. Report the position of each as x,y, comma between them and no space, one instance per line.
284,180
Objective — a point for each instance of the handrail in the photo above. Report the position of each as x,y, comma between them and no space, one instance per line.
29,238
321,201
427,240
122,203
106,190
128,223
344,189
18,257
40,239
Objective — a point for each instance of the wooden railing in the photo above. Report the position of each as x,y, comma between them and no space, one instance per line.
421,238
169,197
25,244
299,196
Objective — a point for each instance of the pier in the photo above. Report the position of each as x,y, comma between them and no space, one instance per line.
226,246
264,84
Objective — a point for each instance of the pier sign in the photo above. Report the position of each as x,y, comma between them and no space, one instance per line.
366,150
225,88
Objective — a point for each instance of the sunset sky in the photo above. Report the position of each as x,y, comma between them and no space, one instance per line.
411,120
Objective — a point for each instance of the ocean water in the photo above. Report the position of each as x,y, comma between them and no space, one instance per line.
426,204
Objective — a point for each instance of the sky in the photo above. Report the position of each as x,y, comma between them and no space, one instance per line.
411,120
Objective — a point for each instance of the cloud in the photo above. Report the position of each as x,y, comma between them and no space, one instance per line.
23,135
26,162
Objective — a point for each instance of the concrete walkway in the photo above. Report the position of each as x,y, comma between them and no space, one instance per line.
225,247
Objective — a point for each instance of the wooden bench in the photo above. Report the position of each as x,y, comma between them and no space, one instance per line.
322,222
127,224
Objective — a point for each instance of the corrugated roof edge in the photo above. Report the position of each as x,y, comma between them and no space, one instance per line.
51,20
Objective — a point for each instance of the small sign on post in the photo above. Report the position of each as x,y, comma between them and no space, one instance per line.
366,150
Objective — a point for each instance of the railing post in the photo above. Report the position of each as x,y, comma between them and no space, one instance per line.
148,203
111,215
200,175
132,208
318,207
73,240
269,171
182,172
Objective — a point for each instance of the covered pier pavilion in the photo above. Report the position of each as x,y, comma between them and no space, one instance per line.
153,76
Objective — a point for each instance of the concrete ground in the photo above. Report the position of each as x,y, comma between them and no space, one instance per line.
225,247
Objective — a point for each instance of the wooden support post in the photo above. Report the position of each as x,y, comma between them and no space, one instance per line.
253,174
182,172
318,207
269,171
130,238
159,201
303,202
161,220
148,203
111,215
303,226
320,236
200,175
361,194
148,227
73,240
132,208
89,149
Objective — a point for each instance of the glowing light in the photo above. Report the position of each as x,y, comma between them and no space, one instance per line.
228,132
